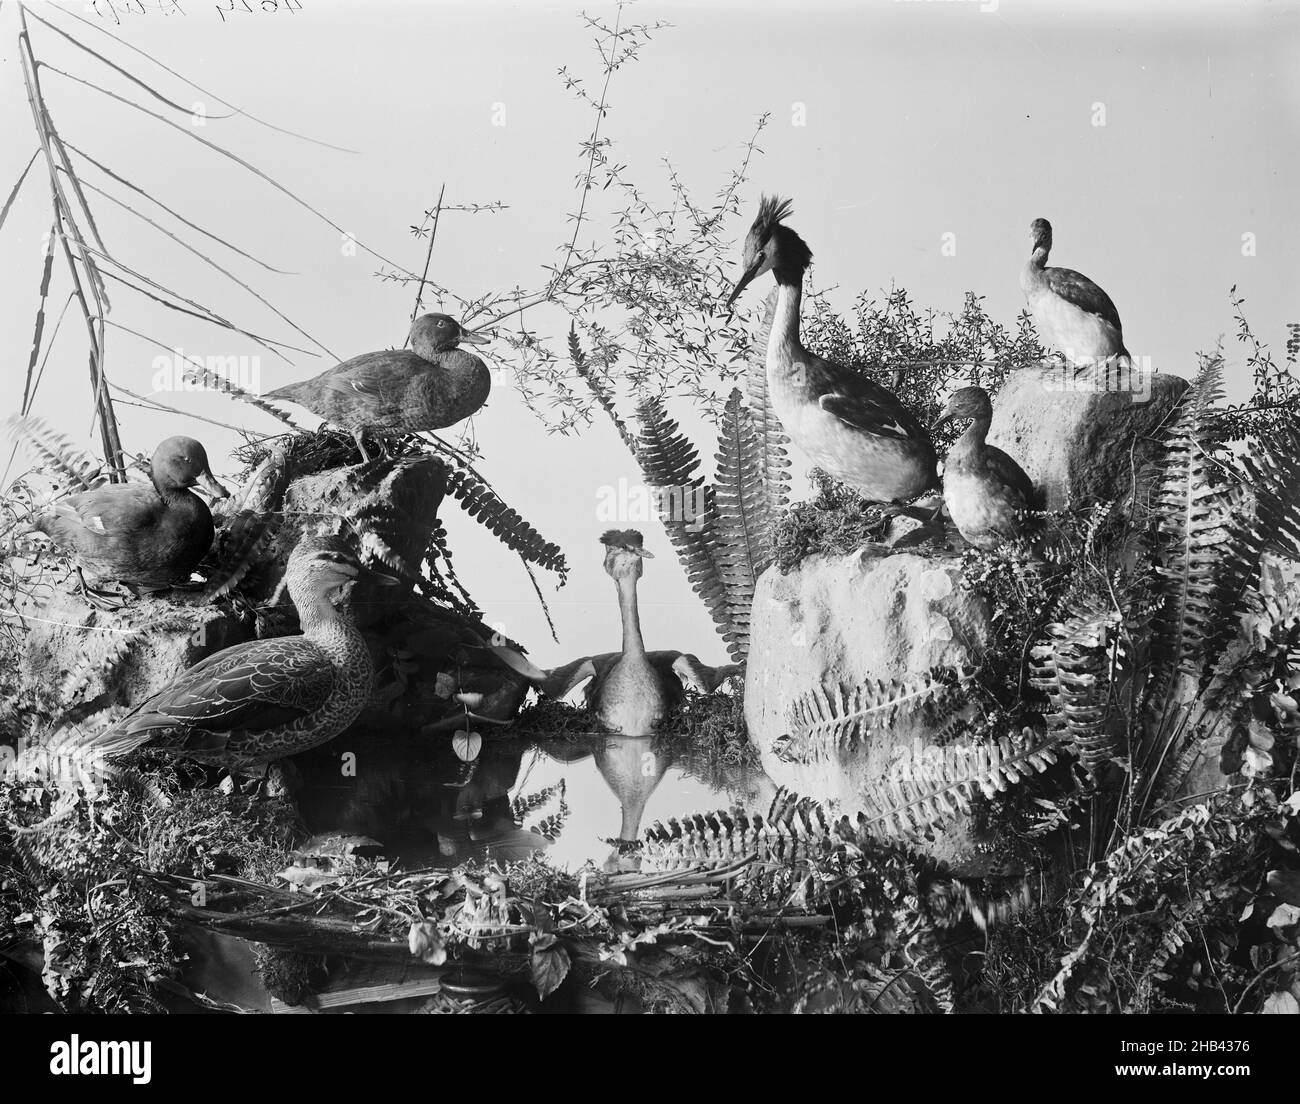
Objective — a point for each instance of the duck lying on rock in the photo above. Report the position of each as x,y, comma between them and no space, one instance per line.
150,535
986,492
260,701
432,385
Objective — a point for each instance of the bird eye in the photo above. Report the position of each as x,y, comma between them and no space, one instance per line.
443,324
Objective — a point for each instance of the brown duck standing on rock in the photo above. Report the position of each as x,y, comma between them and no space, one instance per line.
432,385
631,691
853,429
986,492
150,536
251,704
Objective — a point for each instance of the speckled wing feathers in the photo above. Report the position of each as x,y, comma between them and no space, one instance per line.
252,688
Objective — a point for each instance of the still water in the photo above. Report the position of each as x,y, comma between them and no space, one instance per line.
574,797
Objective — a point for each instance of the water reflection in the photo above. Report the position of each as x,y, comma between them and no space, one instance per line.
575,797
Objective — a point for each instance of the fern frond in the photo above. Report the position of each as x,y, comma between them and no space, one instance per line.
72,468
742,520
821,720
773,454
1072,666
482,503
928,787
669,462
1197,547
205,377
524,804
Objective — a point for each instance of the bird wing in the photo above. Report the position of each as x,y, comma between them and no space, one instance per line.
867,406
122,507
560,680
1076,288
1011,474
383,377
700,676
250,687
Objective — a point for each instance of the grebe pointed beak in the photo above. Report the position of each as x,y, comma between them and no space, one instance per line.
743,282
473,338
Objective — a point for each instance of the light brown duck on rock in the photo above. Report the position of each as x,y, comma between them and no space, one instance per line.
986,492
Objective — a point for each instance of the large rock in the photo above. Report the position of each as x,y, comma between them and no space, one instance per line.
843,621
1078,443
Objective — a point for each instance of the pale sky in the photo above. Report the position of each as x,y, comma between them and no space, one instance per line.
922,119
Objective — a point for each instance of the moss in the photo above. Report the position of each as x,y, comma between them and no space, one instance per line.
291,977
836,522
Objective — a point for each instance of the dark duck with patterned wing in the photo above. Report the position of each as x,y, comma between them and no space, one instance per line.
986,492
252,704
432,385
853,429
1071,314
150,535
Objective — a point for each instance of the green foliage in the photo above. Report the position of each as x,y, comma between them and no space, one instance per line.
921,355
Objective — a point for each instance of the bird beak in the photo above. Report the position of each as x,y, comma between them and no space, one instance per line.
644,554
210,484
941,421
743,282
474,338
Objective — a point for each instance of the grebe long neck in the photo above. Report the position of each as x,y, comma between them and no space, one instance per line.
783,347
633,645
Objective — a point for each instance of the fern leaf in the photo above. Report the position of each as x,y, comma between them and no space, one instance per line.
742,520
1197,547
773,455
205,377
482,503
72,468
821,720
931,786
669,463
1072,666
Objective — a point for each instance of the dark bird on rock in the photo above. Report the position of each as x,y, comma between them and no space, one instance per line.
149,535
1071,314
432,385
